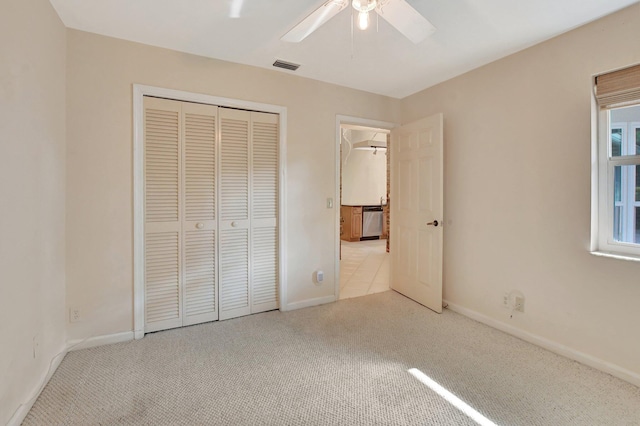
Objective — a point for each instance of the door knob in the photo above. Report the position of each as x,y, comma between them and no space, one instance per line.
199,225
434,223
234,224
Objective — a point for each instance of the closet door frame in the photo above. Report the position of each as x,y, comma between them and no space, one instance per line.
139,91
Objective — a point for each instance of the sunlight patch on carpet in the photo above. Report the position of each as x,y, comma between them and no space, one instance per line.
451,398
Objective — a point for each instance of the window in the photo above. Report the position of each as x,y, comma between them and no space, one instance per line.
618,153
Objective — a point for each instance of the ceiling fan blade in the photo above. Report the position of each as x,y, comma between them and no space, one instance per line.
405,19
321,15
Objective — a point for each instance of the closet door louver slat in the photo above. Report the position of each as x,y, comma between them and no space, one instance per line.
162,194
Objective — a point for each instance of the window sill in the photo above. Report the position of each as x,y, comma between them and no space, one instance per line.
619,256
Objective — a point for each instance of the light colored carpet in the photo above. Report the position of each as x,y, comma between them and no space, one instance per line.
345,363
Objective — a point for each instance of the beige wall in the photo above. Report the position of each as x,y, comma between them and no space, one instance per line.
101,72
517,191
32,196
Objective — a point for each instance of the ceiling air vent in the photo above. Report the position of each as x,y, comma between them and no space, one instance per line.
286,65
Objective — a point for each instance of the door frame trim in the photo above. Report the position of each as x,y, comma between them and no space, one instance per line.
139,91
357,121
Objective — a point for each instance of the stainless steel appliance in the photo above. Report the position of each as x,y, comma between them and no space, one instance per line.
371,222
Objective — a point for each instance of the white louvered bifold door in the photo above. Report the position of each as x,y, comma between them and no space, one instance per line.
211,209
264,212
199,288
162,171
234,213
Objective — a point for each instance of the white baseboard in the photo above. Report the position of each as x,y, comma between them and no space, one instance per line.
309,302
581,357
22,411
92,342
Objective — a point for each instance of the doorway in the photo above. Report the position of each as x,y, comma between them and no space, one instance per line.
364,261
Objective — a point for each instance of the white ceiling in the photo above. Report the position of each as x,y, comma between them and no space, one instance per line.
470,33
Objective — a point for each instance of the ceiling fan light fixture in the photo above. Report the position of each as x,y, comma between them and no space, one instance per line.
400,14
363,7
363,20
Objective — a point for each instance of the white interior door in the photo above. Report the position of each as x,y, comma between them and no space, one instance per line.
417,211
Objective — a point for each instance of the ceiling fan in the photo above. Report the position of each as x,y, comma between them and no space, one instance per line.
396,12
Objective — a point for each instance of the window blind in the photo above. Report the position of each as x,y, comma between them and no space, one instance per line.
618,88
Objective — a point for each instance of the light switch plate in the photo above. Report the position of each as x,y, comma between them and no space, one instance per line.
329,203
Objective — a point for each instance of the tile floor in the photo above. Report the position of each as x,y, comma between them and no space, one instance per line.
364,268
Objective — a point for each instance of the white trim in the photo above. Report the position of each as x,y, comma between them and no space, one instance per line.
92,342
357,121
310,302
23,409
581,357
602,178
139,91
282,210
595,176
138,211
628,257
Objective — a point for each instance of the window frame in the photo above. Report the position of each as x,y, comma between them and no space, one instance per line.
605,167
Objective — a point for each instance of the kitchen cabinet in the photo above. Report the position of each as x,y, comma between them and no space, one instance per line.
351,223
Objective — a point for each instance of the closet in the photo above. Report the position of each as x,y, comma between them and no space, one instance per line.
210,213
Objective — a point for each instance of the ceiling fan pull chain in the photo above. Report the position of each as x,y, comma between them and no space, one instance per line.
352,18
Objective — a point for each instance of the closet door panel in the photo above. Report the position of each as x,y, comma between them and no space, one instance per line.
162,169
264,263
234,213
234,165
200,277
264,211
264,192
199,224
162,290
234,273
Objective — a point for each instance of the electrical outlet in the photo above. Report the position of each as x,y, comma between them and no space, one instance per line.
519,304
505,300
74,315
36,346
